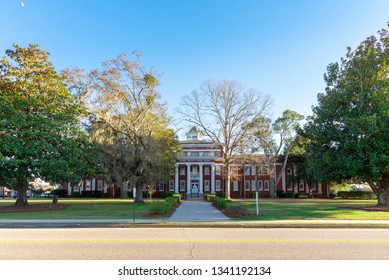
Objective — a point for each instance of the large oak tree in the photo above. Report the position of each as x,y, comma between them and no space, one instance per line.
40,134
349,131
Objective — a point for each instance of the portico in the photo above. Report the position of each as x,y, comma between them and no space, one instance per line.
197,177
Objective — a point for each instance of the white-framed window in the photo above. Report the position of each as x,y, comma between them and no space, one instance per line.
247,170
301,185
253,169
206,185
235,186
171,186
217,169
182,170
195,169
161,187
88,184
99,185
289,170
266,185
259,169
206,170
218,185
260,186
75,189
266,170
182,185
247,185
313,187
217,154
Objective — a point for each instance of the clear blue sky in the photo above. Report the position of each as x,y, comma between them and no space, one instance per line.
281,48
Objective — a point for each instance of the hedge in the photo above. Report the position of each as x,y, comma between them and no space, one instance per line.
356,195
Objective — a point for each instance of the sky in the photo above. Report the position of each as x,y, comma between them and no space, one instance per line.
280,48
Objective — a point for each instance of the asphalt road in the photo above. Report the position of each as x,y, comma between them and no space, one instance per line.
193,243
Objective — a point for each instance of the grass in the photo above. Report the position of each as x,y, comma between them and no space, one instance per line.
306,209
82,209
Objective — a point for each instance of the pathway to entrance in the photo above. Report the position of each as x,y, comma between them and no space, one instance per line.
197,211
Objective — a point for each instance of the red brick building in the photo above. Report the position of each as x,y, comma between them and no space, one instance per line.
200,171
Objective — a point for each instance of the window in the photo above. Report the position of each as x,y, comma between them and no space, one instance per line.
217,154
171,185
290,186
218,186
266,185
235,186
182,170
253,185
194,154
217,169
206,170
289,170
253,169
75,189
259,170
313,187
247,170
161,187
260,187
266,170
182,185
301,186
100,185
88,184
185,154
194,169
206,185
247,185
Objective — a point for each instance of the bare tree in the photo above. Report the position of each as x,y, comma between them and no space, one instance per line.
223,110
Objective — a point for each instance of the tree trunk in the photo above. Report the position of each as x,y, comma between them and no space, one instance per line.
124,190
139,192
381,191
21,188
227,187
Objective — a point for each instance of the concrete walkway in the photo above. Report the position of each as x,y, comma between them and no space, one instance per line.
197,211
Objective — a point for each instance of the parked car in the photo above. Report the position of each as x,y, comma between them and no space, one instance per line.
46,194
15,195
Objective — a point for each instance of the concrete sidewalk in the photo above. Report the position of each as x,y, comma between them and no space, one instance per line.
197,211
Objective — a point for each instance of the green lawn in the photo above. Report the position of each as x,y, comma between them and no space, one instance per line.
82,209
287,209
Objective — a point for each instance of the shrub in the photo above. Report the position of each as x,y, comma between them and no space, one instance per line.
177,196
237,209
356,195
60,192
91,193
208,197
160,208
172,200
75,194
219,202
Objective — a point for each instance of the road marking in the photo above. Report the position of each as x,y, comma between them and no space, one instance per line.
221,241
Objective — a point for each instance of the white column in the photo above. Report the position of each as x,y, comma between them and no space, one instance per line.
319,188
69,189
188,178
212,178
176,179
201,178
93,187
283,181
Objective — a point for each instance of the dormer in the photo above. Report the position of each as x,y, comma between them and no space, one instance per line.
194,134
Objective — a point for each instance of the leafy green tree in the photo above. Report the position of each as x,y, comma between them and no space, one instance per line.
275,139
128,122
39,123
349,131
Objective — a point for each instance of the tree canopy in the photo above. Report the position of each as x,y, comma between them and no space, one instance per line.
222,110
349,131
40,134
129,123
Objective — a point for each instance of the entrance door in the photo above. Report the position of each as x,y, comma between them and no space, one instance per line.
195,188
